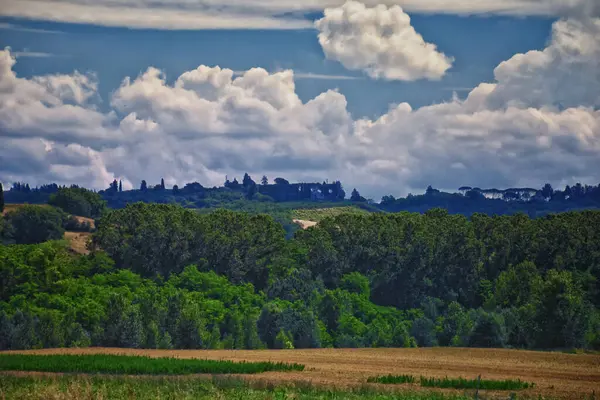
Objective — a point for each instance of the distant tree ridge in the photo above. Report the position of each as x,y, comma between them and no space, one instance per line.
467,201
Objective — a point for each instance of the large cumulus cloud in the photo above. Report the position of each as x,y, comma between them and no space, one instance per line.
538,121
380,41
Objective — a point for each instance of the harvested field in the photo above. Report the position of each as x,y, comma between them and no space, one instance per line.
557,375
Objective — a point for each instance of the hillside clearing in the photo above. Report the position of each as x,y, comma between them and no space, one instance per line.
318,214
558,375
304,224
78,241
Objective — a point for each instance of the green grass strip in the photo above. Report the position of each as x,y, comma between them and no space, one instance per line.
161,387
113,364
453,383
392,379
484,384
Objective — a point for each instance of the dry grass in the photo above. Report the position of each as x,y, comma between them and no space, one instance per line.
304,224
85,219
558,375
78,241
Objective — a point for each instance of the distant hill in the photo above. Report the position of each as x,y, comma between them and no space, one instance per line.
284,197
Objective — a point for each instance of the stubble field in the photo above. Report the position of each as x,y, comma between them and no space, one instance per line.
556,375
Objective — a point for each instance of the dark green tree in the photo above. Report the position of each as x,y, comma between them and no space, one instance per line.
355,196
79,201
34,224
264,181
1,198
547,191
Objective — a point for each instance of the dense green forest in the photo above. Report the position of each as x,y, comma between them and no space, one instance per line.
163,276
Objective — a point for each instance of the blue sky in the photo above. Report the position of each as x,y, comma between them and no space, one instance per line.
389,98
478,43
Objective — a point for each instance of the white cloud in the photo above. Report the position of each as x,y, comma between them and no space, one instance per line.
210,123
565,74
310,75
31,54
18,28
380,41
139,15
260,14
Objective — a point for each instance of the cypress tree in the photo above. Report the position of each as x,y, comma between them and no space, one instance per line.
1,198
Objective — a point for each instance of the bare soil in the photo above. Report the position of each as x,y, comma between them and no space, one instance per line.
559,375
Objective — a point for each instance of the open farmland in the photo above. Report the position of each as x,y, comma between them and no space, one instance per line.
556,375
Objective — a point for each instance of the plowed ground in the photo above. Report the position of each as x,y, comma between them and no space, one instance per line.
558,375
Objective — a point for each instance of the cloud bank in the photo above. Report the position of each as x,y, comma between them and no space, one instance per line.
380,41
538,121
262,14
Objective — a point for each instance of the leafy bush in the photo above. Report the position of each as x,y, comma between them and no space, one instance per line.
31,224
78,201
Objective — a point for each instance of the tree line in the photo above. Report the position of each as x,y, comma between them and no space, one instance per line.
165,276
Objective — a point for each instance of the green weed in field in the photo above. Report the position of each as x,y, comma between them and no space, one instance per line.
118,388
392,379
113,364
484,384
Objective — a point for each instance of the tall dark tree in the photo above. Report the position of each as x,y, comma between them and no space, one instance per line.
247,181
264,181
120,186
162,183
355,196
251,191
144,186
114,186
547,191
1,198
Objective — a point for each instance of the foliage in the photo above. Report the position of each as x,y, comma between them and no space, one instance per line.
111,364
392,379
1,198
121,388
171,277
484,384
78,201
34,224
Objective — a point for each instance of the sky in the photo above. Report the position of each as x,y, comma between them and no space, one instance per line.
387,96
